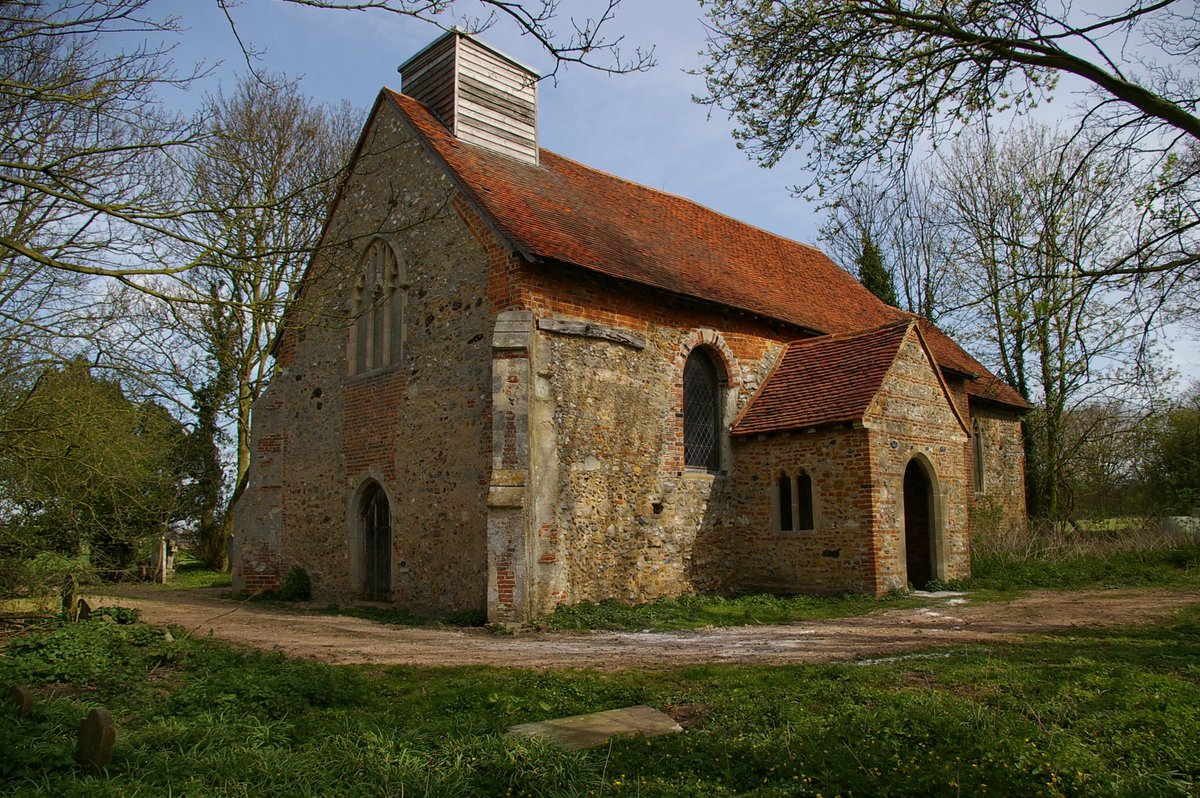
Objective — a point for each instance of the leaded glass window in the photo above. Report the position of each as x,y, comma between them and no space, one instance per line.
701,412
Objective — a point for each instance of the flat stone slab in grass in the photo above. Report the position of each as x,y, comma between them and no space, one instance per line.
585,731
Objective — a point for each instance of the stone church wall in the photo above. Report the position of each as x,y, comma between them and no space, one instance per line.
1000,508
615,512
575,489
838,554
416,428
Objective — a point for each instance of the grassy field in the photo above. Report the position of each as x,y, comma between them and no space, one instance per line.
996,574
1093,713
694,612
1113,713
191,573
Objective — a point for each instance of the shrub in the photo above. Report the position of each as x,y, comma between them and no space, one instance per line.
297,586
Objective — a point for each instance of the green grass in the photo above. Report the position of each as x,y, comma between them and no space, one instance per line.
398,616
1173,567
190,573
1097,713
995,575
693,612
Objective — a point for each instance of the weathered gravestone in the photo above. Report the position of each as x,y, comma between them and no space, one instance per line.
22,698
1182,527
97,734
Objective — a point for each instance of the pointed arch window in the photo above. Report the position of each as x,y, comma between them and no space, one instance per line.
377,307
701,412
977,458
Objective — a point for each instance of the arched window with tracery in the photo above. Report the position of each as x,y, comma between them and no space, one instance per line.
701,412
377,304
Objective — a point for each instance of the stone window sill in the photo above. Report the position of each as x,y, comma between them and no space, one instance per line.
375,372
700,474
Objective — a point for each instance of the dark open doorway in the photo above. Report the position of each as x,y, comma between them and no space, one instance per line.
918,524
377,545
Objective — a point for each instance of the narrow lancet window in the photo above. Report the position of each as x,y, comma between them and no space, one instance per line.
701,412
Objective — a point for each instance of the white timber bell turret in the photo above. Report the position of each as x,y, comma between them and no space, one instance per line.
480,94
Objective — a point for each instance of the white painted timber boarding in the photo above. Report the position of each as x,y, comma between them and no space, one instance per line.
497,101
429,77
483,97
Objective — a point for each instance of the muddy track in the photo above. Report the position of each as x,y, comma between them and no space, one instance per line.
943,622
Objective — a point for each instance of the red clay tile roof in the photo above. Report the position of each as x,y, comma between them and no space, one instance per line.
563,211
827,380
984,384
560,210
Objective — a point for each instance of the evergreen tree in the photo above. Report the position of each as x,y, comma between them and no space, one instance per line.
86,471
873,274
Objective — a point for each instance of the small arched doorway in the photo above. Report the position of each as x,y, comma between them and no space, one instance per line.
377,544
919,525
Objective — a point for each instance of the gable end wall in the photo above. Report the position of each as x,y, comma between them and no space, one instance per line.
912,416
416,428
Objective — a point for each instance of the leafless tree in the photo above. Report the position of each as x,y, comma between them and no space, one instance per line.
88,150
1031,219
907,225
862,86
109,200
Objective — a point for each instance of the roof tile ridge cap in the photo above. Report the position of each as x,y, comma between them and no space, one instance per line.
733,425
689,201
846,335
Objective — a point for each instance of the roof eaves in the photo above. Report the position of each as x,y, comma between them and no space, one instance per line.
684,296
847,421
1020,409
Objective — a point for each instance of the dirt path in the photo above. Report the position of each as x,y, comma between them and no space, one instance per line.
942,622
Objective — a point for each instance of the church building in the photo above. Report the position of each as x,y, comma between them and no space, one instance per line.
510,381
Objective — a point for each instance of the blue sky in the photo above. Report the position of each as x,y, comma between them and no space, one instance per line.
642,126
